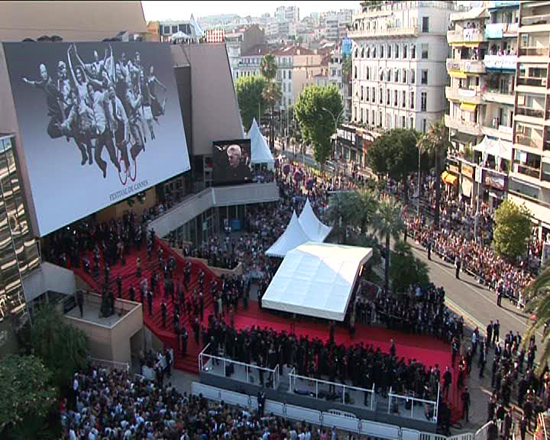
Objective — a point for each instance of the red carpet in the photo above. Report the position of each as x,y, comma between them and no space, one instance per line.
425,349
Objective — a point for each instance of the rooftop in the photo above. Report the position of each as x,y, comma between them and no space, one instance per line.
254,51
294,50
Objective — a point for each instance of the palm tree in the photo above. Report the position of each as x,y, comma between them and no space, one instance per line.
388,223
436,142
366,206
539,305
272,91
342,212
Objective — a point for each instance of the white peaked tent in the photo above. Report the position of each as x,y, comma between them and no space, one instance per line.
313,227
196,27
316,279
293,237
259,149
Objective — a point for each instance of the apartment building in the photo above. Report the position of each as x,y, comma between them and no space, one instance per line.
241,41
530,172
482,69
399,51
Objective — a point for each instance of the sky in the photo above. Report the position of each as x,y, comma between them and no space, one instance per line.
167,10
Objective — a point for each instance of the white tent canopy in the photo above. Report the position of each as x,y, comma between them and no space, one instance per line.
180,36
494,147
293,237
259,149
313,227
316,279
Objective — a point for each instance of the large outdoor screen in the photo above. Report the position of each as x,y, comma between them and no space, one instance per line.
99,122
232,162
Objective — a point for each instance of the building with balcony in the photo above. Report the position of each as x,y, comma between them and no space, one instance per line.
240,42
398,64
530,172
482,70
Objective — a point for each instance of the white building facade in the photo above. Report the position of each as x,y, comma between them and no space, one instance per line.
398,64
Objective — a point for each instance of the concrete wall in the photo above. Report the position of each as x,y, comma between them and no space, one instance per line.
48,277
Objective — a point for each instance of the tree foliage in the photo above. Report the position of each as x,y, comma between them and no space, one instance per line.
394,153
538,293
25,390
388,223
316,110
60,346
250,96
406,270
512,229
268,67
272,91
436,143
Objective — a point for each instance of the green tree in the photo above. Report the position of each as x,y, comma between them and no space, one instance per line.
436,143
406,270
365,203
538,294
272,91
388,223
341,213
316,110
395,153
250,96
26,394
512,229
60,346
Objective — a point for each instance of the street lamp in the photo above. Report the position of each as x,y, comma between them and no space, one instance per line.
336,119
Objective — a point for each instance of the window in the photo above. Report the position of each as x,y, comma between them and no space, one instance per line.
403,122
395,95
174,29
405,51
362,94
423,126
284,74
423,102
374,52
355,113
424,79
368,72
290,74
425,51
388,75
381,93
395,75
166,30
355,72
404,76
413,51
413,76
373,95
381,51
412,101
367,94
361,115
380,118
366,117
388,97
403,100
396,51
425,24
411,123
389,50
372,120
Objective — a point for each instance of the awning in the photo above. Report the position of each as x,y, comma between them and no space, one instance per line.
468,107
466,186
457,74
494,147
469,44
448,178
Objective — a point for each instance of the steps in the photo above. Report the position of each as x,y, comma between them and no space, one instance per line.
127,273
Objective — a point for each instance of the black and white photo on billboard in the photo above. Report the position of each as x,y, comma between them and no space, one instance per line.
98,122
232,161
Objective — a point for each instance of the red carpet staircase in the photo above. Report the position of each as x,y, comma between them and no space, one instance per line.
129,278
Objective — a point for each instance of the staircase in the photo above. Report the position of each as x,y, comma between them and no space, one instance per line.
127,273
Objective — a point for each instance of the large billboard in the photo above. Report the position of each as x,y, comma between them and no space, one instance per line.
99,122
232,162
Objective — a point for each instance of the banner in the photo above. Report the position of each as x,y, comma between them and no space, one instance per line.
99,122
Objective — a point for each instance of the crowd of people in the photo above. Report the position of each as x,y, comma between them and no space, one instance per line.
360,365
109,404
422,311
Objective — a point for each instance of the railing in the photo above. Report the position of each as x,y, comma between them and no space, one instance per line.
466,35
470,66
390,32
527,141
210,363
430,406
318,387
530,20
534,51
114,365
532,81
526,111
527,170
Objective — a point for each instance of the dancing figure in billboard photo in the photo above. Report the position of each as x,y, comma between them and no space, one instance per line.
108,103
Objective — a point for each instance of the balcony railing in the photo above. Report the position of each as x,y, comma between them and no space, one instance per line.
465,35
468,127
531,20
469,66
527,170
471,95
384,32
532,81
526,111
534,51
528,141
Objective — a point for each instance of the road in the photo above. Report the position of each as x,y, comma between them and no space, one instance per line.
473,301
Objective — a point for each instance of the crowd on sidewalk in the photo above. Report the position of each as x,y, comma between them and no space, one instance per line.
109,404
